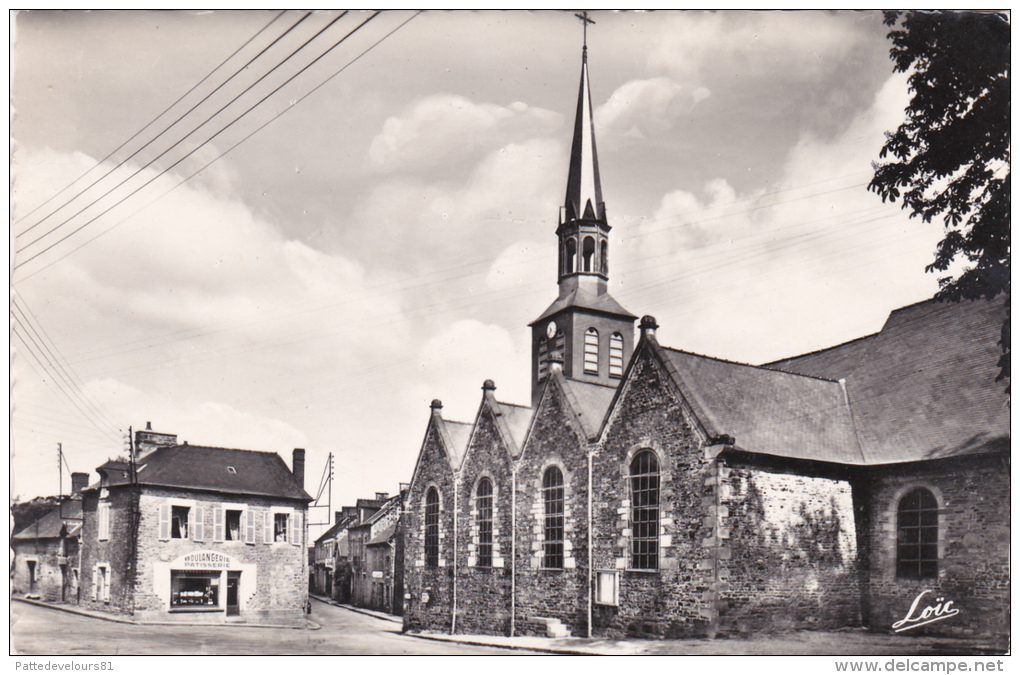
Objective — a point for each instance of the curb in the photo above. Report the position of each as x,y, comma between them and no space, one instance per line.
545,650
310,625
359,610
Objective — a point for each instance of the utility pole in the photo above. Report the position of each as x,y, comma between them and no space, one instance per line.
60,468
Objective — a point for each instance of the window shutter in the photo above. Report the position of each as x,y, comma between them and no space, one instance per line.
218,523
293,536
199,526
164,522
102,522
249,526
267,531
95,582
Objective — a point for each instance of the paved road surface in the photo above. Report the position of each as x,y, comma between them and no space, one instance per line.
39,630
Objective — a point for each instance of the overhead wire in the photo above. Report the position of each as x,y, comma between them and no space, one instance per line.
186,136
226,151
143,129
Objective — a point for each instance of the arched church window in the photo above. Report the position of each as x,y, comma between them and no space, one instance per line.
917,535
615,355
432,528
552,498
591,351
483,504
644,495
588,254
571,262
604,258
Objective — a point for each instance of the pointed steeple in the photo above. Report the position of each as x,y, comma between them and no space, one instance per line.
584,189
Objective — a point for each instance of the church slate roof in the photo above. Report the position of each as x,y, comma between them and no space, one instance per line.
767,411
518,419
924,386
585,299
195,467
460,434
591,403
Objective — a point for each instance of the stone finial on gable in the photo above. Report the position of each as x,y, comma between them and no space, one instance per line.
648,326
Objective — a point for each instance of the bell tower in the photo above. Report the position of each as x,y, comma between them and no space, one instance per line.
585,327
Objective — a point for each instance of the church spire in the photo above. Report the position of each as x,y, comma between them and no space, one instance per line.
584,189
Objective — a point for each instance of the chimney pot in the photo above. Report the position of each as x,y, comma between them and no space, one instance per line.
298,466
148,426
79,481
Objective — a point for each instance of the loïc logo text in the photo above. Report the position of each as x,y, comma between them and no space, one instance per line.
930,614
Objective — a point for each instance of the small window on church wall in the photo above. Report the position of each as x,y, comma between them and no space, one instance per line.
644,495
432,528
615,355
604,258
571,262
917,536
483,504
591,351
588,254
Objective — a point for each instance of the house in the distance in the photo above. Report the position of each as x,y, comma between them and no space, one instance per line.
46,564
197,533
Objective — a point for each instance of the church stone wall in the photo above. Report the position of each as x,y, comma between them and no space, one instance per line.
973,546
790,552
552,593
672,600
483,593
429,591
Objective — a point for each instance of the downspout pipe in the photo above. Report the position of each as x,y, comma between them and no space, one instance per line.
453,617
591,562
513,550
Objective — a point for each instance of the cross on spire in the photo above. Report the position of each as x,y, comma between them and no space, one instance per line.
583,16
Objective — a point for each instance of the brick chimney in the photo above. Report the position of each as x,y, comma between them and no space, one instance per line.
79,481
298,466
148,440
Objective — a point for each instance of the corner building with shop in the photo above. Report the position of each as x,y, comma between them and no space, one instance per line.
196,534
650,491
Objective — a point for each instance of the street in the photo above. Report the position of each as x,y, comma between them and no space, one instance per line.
38,630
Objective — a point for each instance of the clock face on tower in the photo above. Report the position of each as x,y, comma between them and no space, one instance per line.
550,330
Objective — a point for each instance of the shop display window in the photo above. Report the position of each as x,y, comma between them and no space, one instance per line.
194,590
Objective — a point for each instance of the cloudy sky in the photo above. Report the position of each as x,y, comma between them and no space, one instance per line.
306,260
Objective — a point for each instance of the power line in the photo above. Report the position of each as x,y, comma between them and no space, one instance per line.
223,154
181,140
140,131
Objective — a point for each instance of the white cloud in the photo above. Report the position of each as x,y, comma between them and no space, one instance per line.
445,129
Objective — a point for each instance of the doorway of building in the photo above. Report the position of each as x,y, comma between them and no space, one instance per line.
233,584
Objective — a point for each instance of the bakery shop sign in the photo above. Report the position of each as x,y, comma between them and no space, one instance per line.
206,560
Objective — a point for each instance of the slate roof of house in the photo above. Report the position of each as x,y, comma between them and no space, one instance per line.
924,386
337,527
585,299
768,411
591,402
50,525
518,419
384,536
204,468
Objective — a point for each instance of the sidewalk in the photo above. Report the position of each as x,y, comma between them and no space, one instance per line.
360,610
71,609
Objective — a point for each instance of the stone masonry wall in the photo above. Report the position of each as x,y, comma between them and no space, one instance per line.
483,593
52,584
429,591
114,553
554,593
791,552
973,546
672,600
280,590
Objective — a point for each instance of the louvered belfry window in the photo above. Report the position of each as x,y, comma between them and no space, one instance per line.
917,535
552,497
615,355
432,528
591,351
644,495
484,506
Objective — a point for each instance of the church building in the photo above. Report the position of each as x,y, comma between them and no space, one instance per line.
650,491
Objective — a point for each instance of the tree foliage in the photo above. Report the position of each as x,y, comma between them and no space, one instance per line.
950,157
